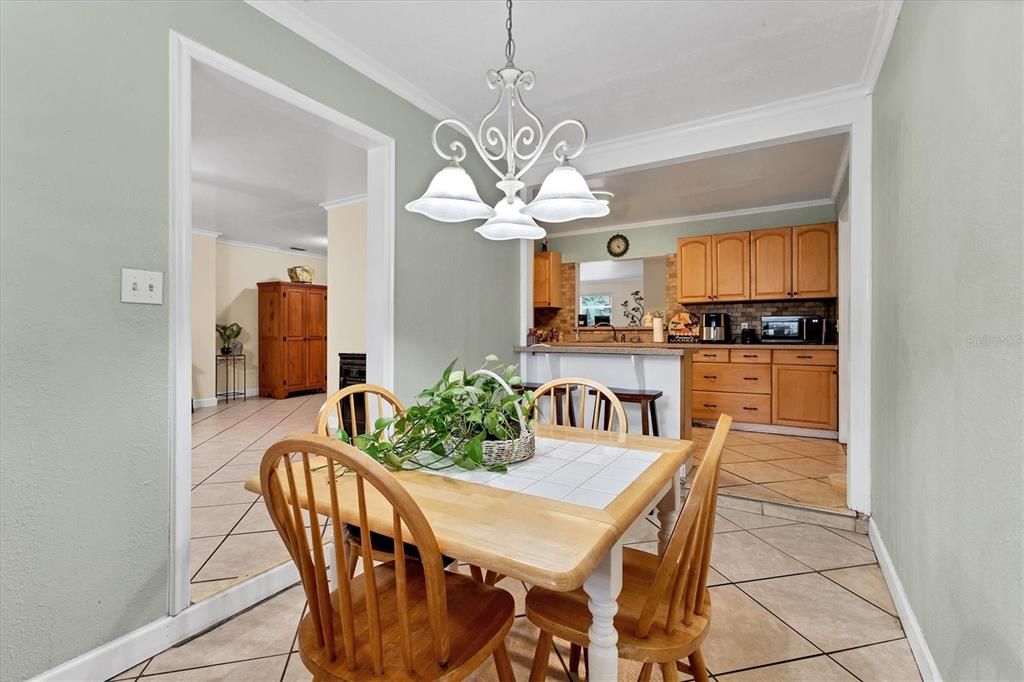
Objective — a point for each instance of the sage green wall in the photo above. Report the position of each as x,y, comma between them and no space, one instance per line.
947,355
84,414
660,240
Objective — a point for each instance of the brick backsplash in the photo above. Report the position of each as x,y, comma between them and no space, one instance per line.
743,311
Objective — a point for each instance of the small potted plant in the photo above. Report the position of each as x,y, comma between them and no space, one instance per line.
228,333
470,420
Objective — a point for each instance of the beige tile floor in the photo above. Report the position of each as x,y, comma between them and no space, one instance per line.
232,535
792,601
786,469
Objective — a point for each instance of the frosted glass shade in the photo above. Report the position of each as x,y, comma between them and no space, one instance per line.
510,223
564,196
451,198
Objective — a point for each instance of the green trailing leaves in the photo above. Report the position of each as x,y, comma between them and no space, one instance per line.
450,422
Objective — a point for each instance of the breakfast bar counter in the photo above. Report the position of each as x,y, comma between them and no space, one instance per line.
631,366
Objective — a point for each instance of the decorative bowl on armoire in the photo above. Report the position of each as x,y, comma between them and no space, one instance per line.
301,274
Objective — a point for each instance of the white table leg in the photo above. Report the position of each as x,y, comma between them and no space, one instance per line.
603,587
668,509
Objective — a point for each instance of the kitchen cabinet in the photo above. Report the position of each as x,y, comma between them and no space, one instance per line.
713,267
815,261
771,264
767,385
547,280
805,395
730,266
693,267
794,262
293,338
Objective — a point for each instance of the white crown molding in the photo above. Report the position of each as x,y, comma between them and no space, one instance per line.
294,19
206,233
620,147
888,15
915,636
345,201
694,218
841,169
264,247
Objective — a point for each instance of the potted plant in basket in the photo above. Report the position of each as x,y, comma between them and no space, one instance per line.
470,420
228,333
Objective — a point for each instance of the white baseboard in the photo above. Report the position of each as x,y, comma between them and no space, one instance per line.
135,647
213,402
918,645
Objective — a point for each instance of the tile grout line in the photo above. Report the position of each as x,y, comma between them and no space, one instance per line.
214,665
232,426
261,436
221,543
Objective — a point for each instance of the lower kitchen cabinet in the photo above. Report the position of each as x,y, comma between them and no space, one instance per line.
743,407
805,395
789,387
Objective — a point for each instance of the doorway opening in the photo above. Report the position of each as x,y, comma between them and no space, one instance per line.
262,177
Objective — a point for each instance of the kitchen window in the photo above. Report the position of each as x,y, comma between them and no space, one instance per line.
595,308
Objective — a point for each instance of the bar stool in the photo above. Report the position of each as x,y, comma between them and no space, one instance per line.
559,395
645,399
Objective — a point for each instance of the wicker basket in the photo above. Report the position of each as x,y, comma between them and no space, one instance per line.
497,452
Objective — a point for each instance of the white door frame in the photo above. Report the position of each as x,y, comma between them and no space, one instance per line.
826,114
380,250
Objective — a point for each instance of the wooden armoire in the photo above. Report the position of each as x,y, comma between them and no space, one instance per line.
293,338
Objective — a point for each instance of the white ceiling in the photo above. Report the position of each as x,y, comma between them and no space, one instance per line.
621,66
791,173
261,168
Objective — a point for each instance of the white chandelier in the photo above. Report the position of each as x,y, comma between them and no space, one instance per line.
564,195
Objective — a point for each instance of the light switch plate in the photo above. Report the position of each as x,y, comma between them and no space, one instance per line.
142,286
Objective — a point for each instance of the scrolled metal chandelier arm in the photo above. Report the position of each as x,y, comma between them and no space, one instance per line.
459,149
561,149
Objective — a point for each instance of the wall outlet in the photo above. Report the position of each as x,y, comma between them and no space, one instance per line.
142,286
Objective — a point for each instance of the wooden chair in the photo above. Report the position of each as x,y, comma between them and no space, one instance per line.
401,620
664,607
357,407
606,412
352,406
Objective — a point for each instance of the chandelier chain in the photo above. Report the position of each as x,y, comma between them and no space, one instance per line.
510,44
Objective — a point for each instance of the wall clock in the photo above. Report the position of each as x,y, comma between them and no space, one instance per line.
618,245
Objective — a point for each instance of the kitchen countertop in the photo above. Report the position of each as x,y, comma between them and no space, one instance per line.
607,348
612,348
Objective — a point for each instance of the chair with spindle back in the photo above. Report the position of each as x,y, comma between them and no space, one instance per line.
664,607
370,402
606,415
400,620
606,412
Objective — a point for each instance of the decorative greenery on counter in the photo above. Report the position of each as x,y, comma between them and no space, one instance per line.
450,421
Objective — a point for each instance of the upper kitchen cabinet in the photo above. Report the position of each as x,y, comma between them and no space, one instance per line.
771,264
730,266
815,261
714,267
694,266
547,280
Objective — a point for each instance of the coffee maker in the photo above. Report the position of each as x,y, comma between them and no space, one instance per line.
714,328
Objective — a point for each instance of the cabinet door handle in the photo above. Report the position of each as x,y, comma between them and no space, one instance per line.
710,405
750,378
749,356
710,355
710,376
752,409
806,357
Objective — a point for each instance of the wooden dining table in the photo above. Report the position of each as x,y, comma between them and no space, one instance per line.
557,520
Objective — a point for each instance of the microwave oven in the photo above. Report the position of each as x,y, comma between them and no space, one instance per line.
796,329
